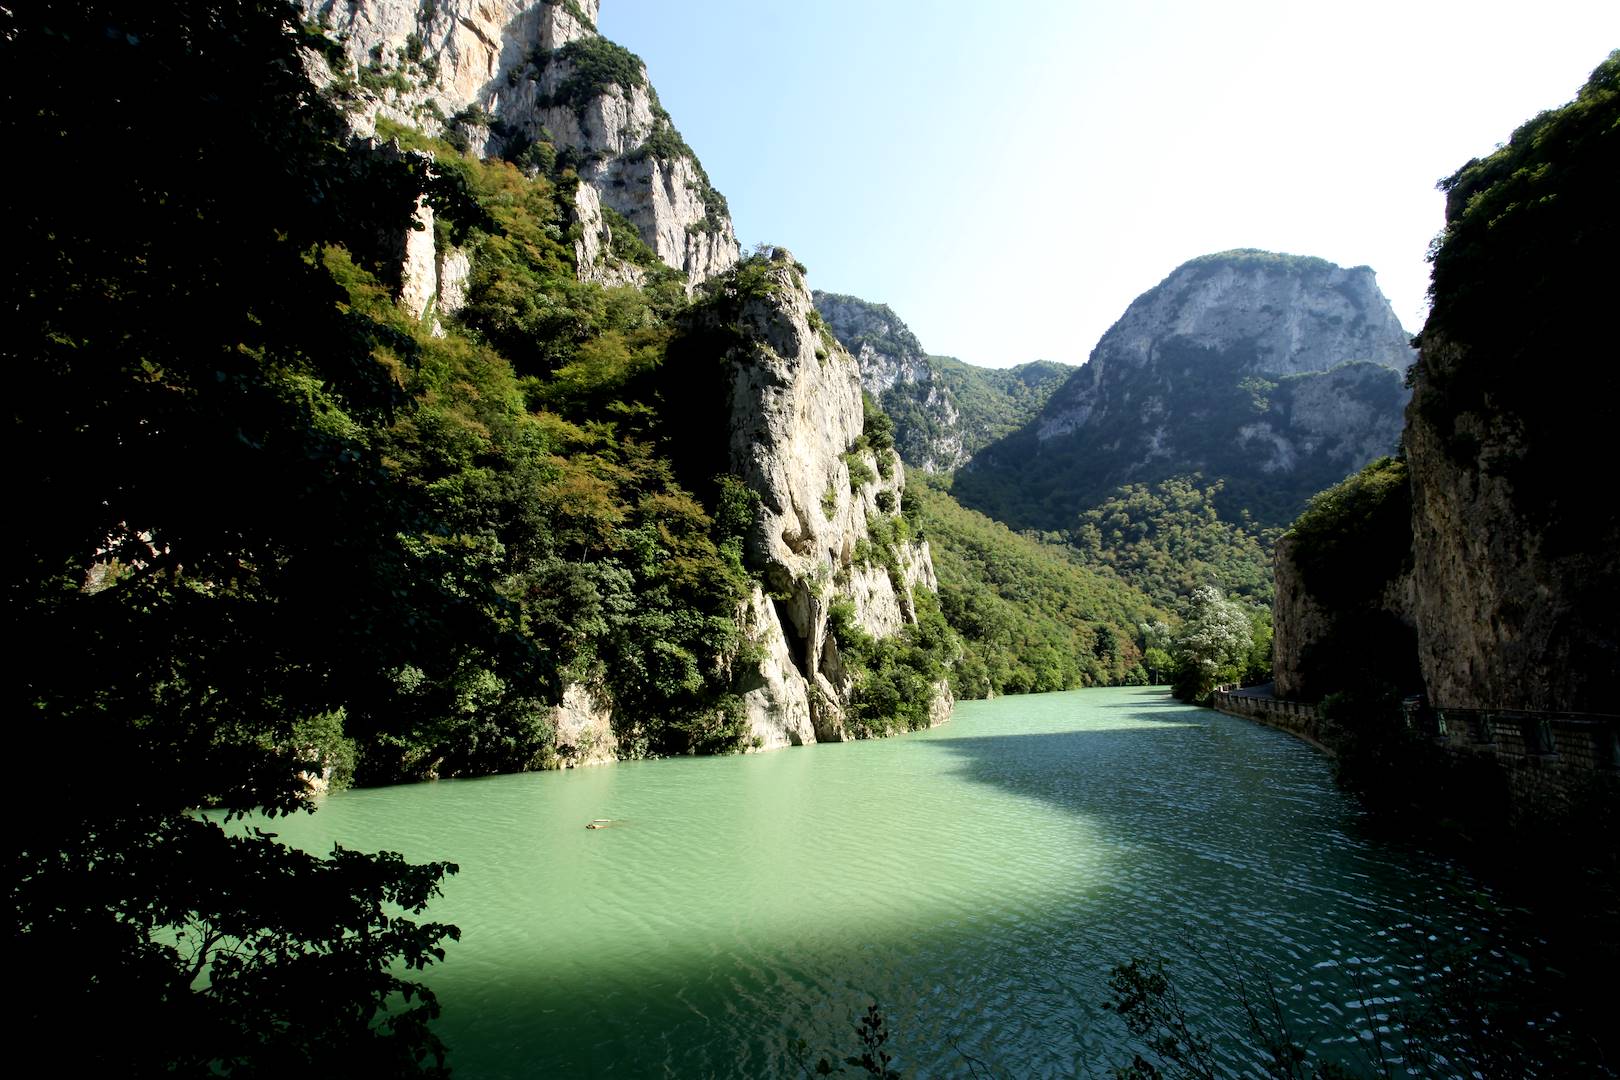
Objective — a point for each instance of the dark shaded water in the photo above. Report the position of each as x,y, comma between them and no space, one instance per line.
978,880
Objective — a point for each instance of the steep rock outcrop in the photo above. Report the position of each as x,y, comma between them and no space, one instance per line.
502,75
1300,623
795,409
944,411
1337,627
416,63
796,422
894,370
1511,575
1275,374
885,348
1516,538
584,727
1281,315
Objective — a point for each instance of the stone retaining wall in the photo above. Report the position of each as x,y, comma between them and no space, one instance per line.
1294,717
1553,763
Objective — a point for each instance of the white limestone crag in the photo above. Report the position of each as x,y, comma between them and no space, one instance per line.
944,411
584,727
885,348
1287,315
422,61
775,696
796,416
592,251
1349,415
501,74
454,269
419,272
895,368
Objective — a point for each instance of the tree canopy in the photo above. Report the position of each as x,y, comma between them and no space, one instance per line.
221,574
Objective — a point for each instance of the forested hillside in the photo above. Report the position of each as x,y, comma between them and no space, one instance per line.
1169,538
1031,615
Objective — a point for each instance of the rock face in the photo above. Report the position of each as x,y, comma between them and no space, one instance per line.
894,369
944,411
1299,622
1515,596
1513,540
1344,614
885,348
1282,315
796,416
1345,417
509,74
1276,374
828,532
1515,532
584,722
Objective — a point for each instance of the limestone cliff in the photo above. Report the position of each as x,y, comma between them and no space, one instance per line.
1516,538
1282,315
503,76
1510,577
944,411
1276,374
828,528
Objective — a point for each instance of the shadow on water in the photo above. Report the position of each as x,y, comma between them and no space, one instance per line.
1023,851
1166,765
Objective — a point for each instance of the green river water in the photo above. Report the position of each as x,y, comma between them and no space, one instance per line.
977,880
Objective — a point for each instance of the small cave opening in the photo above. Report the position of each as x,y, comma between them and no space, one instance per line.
795,640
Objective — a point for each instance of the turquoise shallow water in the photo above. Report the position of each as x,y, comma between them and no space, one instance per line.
978,880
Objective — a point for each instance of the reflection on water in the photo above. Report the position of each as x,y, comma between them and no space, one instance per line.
978,880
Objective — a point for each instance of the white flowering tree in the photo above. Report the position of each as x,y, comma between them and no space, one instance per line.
1213,645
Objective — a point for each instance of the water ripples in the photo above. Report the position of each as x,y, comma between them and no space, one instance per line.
978,880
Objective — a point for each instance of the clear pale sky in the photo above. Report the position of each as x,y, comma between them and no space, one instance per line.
1009,176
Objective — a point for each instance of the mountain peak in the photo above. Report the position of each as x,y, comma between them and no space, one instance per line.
1277,374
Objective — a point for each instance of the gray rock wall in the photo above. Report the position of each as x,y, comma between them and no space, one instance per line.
795,414
1507,598
501,56
1289,314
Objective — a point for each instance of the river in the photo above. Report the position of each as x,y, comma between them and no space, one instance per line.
978,880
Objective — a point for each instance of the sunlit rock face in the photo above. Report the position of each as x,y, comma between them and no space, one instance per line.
504,74
1276,374
795,417
893,366
1281,314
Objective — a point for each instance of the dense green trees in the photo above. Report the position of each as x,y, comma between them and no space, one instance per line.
1032,618
1170,537
218,559
276,526
989,404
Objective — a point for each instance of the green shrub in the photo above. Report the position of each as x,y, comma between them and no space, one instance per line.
597,65
860,473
